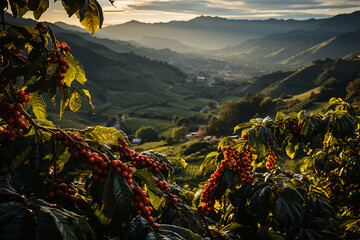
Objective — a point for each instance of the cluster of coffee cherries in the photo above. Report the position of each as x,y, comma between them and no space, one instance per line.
239,162
296,126
57,57
271,161
11,113
60,192
164,187
124,170
82,152
139,161
141,204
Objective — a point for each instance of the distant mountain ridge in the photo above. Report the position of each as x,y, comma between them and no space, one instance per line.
204,31
163,43
301,46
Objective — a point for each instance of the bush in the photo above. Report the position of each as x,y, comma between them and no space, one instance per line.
147,134
179,133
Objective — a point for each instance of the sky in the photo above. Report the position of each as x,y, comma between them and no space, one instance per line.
168,10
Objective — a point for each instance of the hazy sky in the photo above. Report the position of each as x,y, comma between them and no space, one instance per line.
167,10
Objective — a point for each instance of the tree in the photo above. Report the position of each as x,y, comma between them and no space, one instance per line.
147,134
353,91
180,132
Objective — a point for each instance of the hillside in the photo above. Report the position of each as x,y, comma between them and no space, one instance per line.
205,32
306,78
339,46
162,43
301,46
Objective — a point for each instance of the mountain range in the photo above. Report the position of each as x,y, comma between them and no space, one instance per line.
204,32
271,41
334,37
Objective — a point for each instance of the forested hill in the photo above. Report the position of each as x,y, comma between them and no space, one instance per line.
334,37
290,91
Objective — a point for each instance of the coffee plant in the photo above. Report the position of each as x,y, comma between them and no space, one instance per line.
89,184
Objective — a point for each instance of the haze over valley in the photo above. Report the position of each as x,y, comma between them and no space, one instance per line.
158,70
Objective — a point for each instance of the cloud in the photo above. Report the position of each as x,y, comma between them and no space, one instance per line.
240,8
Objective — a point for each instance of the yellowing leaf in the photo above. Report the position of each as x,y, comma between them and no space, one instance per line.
38,105
178,160
75,101
157,202
62,160
75,72
87,95
291,150
65,95
20,158
93,17
42,7
104,135
209,162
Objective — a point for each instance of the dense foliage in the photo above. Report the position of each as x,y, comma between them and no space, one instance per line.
88,184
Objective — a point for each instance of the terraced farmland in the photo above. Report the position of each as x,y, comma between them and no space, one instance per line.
71,120
158,124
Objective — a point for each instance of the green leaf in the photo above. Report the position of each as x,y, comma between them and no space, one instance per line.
75,102
136,226
117,195
93,18
83,9
230,227
242,126
146,177
44,5
21,158
65,96
178,160
291,150
280,116
230,178
307,128
9,210
280,209
36,65
33,4
292,195
210,161
318,191
71,224
183,232
226,141
197,197
38,105
158,202
48,224
71,6
301,115
12,229
62,160
18,8
104,135
75,72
